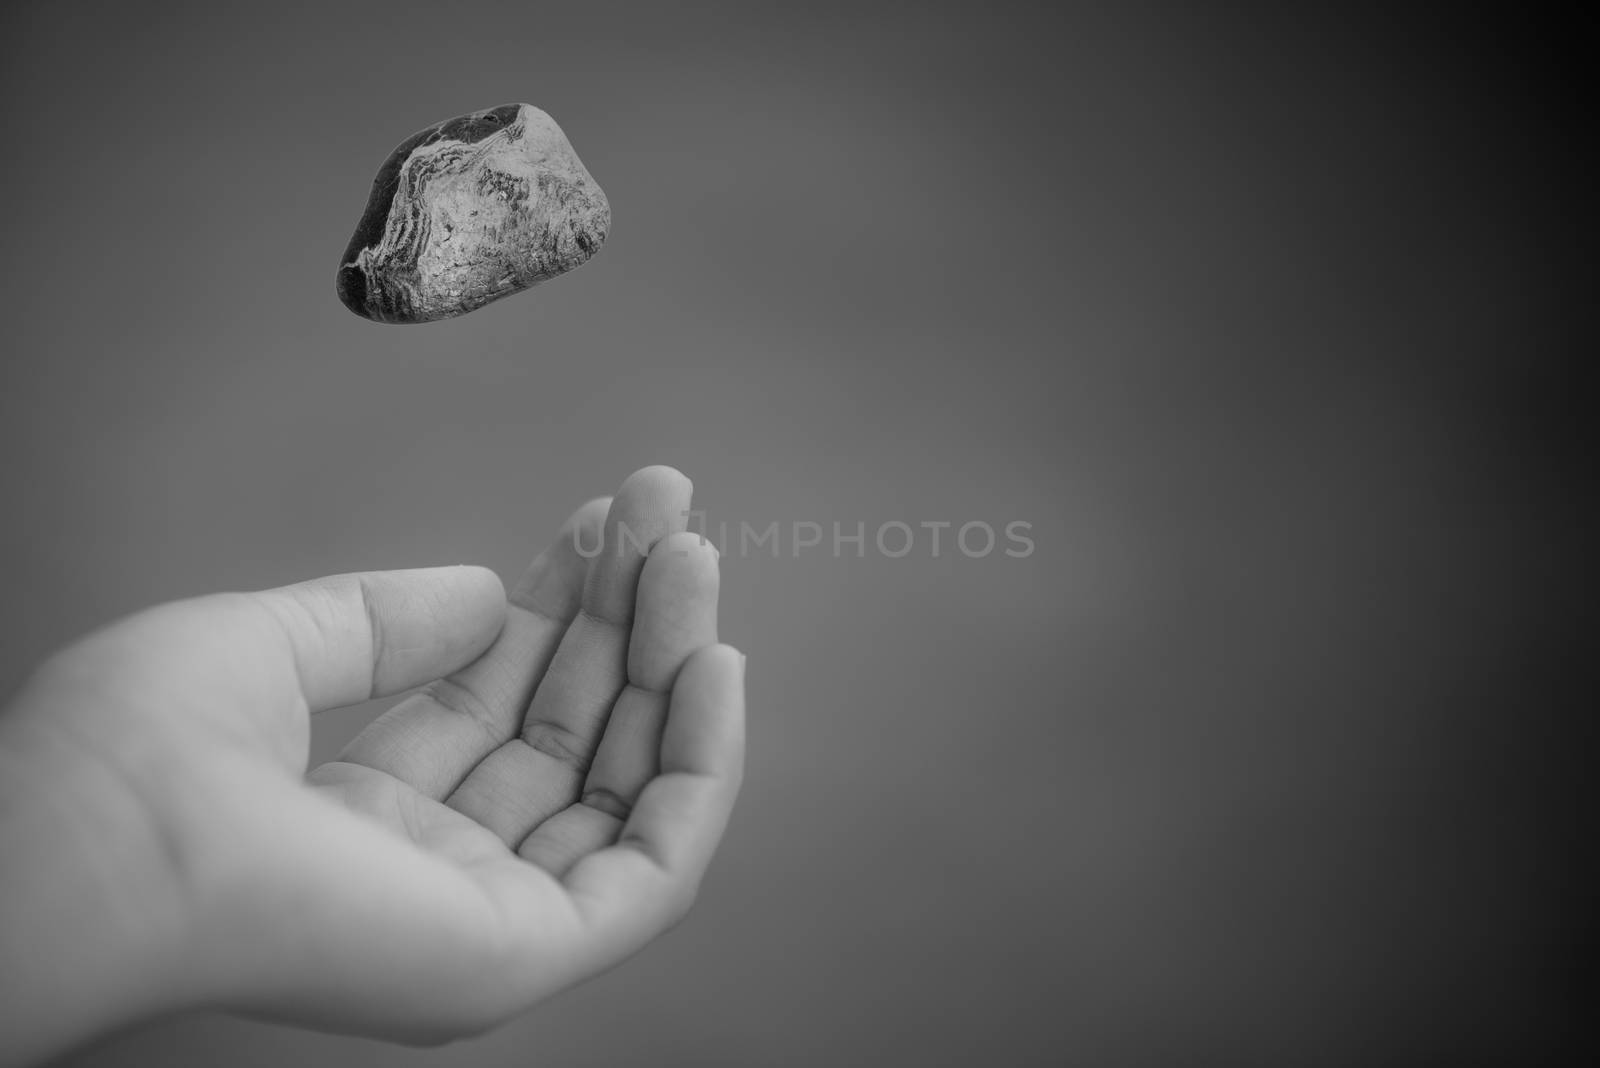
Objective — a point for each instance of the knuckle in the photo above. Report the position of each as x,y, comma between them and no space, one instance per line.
610,802
560,744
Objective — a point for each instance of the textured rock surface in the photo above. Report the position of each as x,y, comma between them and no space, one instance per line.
468,211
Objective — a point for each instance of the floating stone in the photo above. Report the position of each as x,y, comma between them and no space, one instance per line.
469,211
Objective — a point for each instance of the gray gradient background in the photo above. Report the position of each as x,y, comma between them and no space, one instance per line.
1258,319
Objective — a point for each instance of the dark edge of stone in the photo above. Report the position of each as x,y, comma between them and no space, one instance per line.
467,129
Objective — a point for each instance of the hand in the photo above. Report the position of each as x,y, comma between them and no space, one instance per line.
541,809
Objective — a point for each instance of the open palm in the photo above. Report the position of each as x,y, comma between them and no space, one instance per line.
541,809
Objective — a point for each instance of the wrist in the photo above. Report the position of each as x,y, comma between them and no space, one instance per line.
93,931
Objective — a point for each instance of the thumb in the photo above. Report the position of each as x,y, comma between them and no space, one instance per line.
355,637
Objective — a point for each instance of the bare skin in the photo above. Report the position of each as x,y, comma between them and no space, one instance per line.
540,810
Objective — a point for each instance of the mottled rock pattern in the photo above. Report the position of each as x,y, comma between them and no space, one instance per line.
469,211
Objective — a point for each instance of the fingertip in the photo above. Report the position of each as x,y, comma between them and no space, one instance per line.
681,576
553,584
589,518
713,665
470,600
652,503
728,656
676,610
480,583
682,573
657,480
